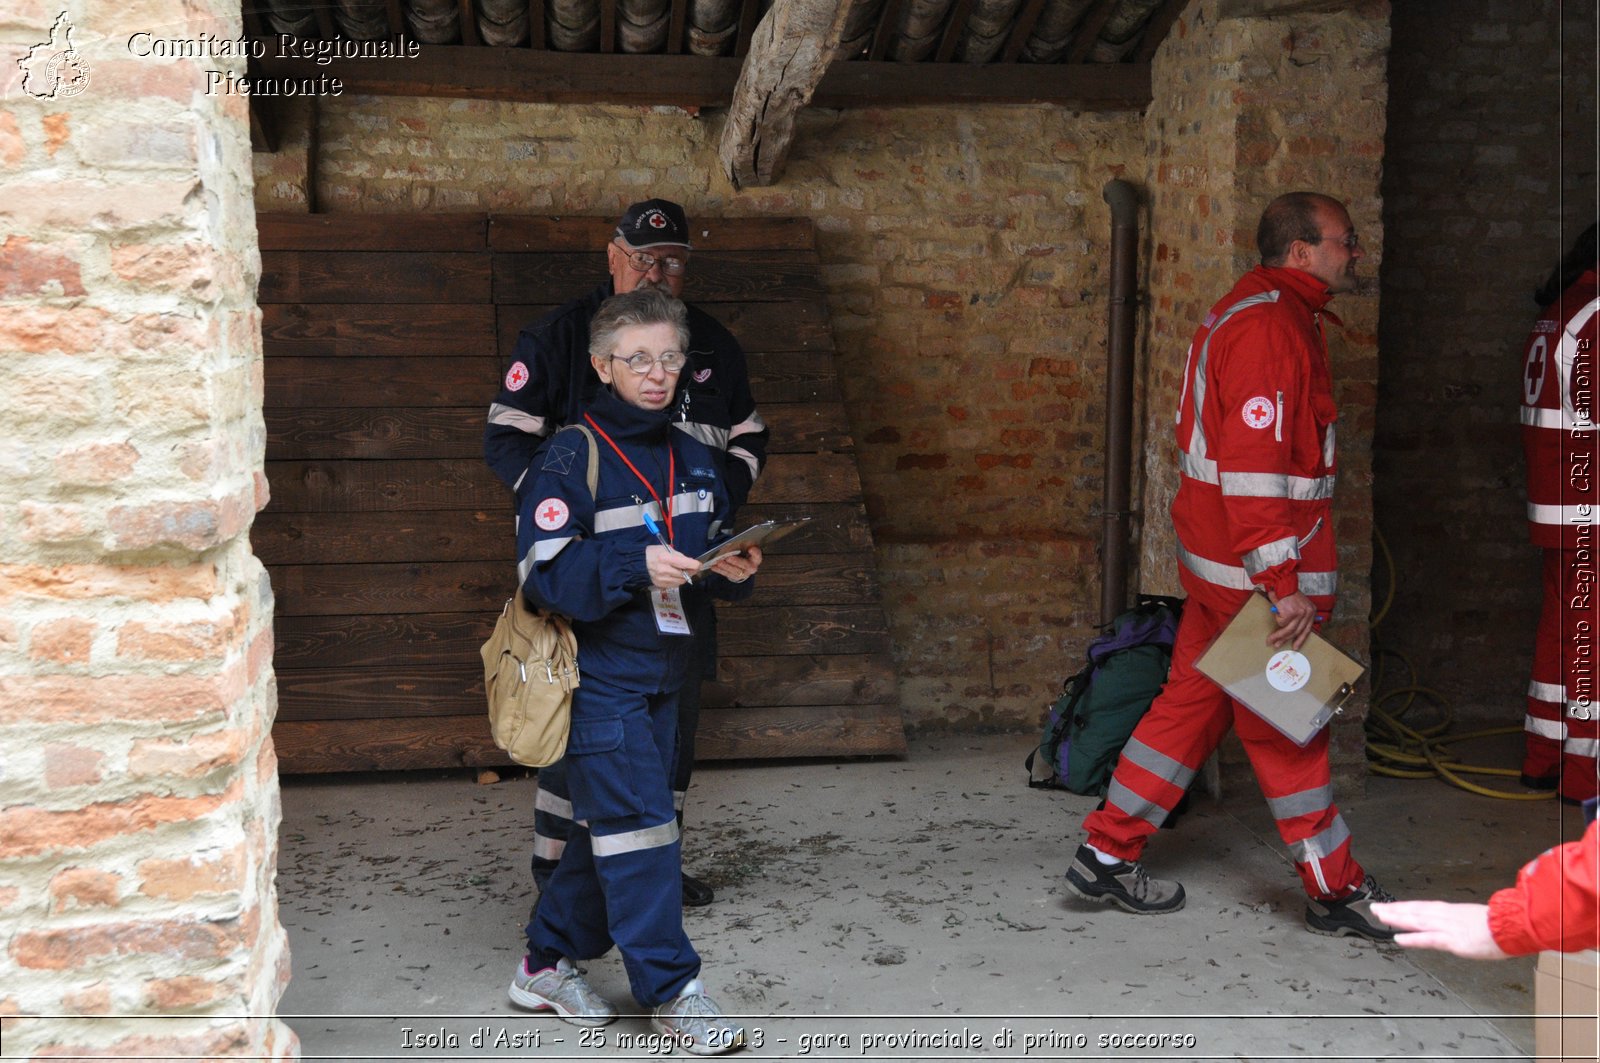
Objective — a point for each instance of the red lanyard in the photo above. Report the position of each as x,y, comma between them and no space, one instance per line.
672,472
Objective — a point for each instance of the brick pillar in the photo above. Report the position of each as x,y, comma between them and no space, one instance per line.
138,797
1246,108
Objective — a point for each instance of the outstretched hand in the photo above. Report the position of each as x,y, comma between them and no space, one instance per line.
1462,929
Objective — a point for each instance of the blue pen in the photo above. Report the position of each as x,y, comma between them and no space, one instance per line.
655,529
1320,617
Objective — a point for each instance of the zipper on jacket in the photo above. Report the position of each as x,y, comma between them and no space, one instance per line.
1278,431
1310,534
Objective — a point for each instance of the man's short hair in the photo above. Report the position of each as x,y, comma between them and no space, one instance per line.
642,306
1290,217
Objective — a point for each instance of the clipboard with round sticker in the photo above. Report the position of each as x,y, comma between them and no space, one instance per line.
1296,691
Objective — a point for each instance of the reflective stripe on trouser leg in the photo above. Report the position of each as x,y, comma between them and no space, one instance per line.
1296,783
552,821
618,879
1547,689
1171,742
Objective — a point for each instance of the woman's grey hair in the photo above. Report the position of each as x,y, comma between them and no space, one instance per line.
642,306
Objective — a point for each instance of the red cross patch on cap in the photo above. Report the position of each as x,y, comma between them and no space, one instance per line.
551,514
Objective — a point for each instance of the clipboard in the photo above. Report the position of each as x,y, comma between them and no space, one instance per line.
768,531
1296,691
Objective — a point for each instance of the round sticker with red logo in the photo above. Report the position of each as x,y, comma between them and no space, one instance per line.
516,377
1259,412
551,514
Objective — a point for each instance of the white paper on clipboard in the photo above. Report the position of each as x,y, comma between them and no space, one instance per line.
767,531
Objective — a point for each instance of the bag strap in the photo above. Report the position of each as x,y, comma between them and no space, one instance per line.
594,458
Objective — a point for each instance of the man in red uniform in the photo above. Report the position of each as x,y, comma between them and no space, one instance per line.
1253,510
1559,441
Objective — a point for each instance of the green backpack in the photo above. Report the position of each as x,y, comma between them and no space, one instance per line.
1099,707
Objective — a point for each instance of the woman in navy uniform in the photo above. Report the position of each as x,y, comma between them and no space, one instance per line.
616,563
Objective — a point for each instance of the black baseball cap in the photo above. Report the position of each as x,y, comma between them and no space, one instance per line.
652,223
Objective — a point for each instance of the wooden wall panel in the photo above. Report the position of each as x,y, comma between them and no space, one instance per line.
390,544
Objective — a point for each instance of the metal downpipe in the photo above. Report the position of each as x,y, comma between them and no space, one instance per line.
1117,513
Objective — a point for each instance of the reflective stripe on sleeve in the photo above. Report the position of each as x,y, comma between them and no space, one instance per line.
1566,515
1235,578
511,417
633,841
542,551
1264,557
1276,485
1554,692
709,434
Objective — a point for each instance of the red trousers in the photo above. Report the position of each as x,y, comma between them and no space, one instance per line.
1184,725
1563,732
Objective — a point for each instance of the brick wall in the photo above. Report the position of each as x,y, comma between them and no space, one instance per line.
138,800
1490,175
1249,108
964,252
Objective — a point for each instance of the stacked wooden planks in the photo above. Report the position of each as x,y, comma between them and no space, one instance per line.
390,544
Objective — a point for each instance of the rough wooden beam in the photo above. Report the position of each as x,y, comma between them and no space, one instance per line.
888,25
1273,8
954,27
680,14
536,25
1088,31
792,48
691,81
1026,20
469,24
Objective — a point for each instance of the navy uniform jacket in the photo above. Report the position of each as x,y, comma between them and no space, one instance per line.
585,557
551,382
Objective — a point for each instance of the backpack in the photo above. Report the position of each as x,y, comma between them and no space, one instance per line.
1099,707
530,667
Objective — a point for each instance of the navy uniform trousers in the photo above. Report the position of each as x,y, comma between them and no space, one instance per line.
616,881
552,809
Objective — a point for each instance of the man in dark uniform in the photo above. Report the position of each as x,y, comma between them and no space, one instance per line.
551,381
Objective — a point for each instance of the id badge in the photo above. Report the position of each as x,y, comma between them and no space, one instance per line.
670,617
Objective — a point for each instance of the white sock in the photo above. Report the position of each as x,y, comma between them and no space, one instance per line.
1106,859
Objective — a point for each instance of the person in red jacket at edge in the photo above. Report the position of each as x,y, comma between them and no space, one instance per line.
1253,510
1555,906
1559,442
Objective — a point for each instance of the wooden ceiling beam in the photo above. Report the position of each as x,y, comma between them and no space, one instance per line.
953,28
608,26
791,50
531,76
469,23
1089,31
749,15
1022,28
680,15
536,25
325,23
888,25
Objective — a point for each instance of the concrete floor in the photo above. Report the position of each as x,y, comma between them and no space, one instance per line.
904,909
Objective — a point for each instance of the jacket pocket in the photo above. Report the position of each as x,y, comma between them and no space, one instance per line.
597,734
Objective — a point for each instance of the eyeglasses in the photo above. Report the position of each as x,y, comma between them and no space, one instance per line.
642,362
1350,241
671,265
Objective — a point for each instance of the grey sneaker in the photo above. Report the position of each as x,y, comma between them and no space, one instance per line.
695,1023
1351,915
1123,884
561,989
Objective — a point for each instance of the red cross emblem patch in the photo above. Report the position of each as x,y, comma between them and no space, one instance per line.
551,515
516,377
1259,412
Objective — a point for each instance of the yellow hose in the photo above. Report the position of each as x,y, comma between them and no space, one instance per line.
1414,751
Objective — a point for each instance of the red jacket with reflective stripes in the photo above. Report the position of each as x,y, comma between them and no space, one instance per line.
1256,446
1555,903
1558,419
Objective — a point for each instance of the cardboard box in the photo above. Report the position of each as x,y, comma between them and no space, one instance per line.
1566,1004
